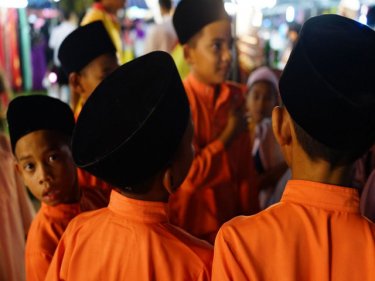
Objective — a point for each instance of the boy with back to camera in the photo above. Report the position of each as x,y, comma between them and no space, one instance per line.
316,232
40,129
220,184
136,136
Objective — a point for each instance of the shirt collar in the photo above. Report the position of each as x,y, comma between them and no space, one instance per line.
207,92
331,197
61,210
138,210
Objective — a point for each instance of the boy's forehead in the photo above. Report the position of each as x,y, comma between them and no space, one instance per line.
40,141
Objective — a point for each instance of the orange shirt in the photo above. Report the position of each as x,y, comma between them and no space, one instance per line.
43,237
220,184
129,240
48,227
315,233
97,190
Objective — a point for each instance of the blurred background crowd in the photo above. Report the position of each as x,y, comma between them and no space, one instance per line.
264,34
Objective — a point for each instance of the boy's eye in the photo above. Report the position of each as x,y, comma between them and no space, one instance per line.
217,46
52,158
28,167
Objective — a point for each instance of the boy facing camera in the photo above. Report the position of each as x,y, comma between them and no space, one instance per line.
137,137
40,129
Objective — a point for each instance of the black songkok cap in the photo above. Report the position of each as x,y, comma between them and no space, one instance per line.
27,114
328,82
83,45
132,124
191,16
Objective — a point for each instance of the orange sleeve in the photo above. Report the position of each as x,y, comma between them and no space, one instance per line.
210,166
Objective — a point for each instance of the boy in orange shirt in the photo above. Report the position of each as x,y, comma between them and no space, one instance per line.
40,129
316,232
136,136
220,184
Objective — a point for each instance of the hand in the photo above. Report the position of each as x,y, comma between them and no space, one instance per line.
236,124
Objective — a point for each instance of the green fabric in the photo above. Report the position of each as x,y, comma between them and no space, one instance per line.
25,48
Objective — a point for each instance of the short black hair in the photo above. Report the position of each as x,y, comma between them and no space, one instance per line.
317,150
167,4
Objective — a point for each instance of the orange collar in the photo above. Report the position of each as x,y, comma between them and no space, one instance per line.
138,210
325,196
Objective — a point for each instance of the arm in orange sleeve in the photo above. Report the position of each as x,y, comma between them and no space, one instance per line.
210,166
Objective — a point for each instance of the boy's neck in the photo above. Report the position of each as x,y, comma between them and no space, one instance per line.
75,196
303,168
197,79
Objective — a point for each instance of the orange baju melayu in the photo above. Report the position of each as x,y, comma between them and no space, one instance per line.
47,228
315,233
129,240
43,237
220,184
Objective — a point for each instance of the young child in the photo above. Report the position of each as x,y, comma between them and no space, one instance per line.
40,129
136,136
316,232
220,184
87,55
262,96
106,12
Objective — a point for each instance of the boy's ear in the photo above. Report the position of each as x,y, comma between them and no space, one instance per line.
75,83
168,180
187,53
281,125
18,168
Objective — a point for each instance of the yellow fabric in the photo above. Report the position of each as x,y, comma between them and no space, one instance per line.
129,240
315,233
178,57
112,26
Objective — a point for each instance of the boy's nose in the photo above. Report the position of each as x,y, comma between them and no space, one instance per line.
44,175
227,54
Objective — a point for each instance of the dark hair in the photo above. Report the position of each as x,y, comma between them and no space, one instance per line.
294,26
371,16
167,4
317,150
